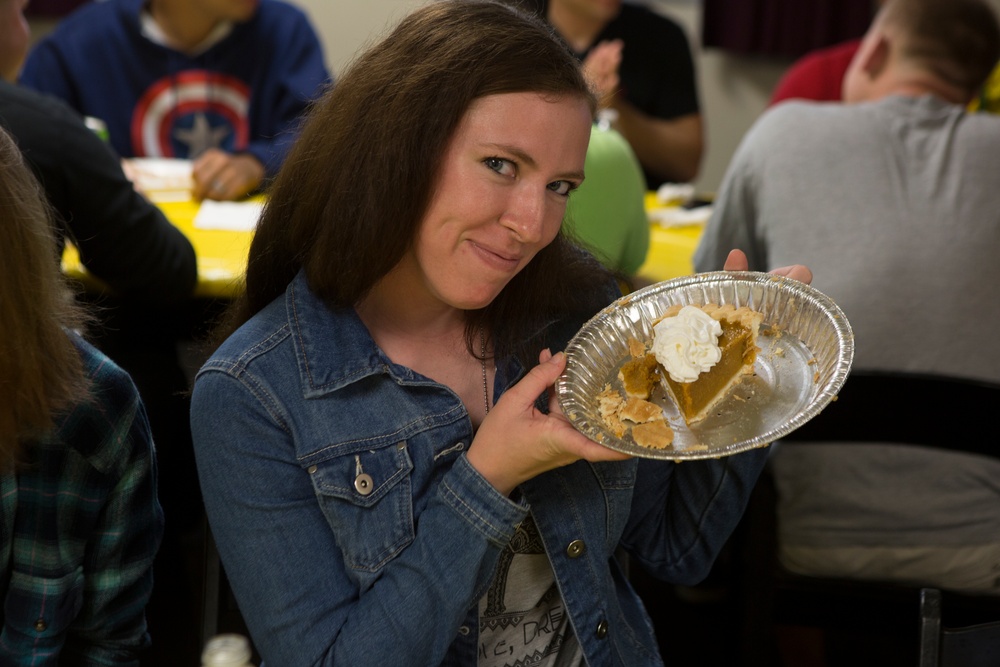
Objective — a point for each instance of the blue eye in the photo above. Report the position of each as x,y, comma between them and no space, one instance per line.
500,166
562,187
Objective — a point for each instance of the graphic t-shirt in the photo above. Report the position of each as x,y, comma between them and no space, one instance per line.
522,618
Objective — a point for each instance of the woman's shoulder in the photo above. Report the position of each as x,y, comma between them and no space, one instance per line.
109,427
255,338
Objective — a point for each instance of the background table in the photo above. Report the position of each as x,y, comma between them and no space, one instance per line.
670,248
222,254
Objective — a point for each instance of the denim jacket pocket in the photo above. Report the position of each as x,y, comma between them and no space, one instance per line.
43,608
367,500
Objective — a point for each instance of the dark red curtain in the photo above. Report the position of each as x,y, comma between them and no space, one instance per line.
782,27
52,7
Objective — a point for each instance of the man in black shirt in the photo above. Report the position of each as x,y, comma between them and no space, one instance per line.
642,66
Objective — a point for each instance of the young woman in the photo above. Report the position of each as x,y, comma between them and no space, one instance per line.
384,476
79,519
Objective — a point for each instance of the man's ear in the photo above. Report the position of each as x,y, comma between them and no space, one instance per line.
876,58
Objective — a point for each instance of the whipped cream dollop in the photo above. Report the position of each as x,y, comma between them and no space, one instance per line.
687,344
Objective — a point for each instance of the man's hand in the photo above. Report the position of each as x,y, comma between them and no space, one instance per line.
223,176
737,261
601,69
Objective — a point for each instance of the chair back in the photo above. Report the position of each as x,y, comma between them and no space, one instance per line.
975,645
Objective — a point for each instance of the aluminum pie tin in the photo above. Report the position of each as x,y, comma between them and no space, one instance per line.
806,350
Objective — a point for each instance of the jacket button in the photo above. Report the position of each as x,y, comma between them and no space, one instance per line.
41,625
312,470
576,548
363,484
602,630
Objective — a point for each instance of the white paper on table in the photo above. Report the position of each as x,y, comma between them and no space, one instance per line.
674,193
152,175
236,216
678,216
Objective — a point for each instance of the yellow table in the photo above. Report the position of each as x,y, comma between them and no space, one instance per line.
670,248
222,254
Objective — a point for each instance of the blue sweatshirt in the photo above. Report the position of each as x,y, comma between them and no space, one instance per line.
244,94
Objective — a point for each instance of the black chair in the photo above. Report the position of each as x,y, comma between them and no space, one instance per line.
775,604
967,646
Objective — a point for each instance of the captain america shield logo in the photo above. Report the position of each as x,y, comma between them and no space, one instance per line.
185,114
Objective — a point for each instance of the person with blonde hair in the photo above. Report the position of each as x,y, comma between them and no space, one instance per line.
891,198
80,522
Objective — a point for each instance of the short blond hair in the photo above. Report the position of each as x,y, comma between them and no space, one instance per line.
956,40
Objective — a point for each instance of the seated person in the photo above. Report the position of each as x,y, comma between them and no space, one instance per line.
123,239
607,213
818,75
890,198
79,518
642,66
222,82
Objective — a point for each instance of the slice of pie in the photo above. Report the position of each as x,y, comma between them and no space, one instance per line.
696,398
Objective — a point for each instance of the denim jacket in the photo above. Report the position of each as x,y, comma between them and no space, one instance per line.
355,532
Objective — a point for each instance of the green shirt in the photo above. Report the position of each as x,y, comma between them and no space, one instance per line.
607,212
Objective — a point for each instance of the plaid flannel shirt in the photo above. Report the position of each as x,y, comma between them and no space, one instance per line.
79,526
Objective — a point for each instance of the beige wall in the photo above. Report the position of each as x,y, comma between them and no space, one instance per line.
733,90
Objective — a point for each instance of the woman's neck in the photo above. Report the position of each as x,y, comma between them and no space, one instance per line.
428,337
406,320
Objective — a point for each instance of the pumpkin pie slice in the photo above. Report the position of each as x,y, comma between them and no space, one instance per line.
696,399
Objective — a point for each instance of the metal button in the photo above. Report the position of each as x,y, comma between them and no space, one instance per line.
312,470
41,625
576,548
602,630
363,484
464,630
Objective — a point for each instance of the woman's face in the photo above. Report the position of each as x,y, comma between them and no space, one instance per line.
501,194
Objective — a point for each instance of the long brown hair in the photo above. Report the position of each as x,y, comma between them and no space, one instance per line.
40,369
348,202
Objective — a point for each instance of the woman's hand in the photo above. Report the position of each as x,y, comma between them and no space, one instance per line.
737,261
517,442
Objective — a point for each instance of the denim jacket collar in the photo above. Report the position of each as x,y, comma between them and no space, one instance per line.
333,348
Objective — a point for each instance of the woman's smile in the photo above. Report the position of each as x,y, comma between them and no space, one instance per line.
500,195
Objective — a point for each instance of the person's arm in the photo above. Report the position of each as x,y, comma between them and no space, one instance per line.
682,514
297,77
733,222
123,239
658,108
110,628
671,149
285,530
46,71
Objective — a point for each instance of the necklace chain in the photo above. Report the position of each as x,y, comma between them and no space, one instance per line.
482,358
